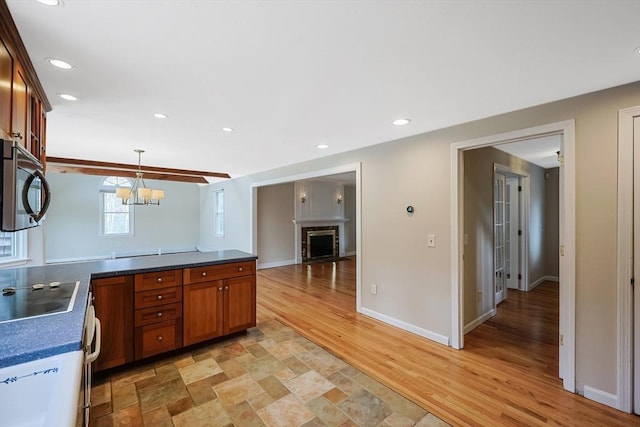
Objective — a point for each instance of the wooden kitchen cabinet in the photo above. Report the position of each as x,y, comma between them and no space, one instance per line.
114,307
158,312
20,107
23,103
203,309
6,78
218,300
239,304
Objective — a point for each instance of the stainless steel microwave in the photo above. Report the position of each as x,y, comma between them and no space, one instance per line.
25,193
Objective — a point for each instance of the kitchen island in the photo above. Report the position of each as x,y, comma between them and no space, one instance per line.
35,338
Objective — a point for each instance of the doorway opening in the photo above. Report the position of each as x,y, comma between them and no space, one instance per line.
461,300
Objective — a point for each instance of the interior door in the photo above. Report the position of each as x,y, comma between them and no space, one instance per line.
512,243
499,197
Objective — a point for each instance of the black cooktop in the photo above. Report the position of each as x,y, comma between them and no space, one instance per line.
36,300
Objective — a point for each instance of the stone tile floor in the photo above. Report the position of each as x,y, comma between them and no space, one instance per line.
270,376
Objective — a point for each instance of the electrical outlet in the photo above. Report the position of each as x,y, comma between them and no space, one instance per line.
374,289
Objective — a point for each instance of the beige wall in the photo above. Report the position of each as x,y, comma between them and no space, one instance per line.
552,222
414,281
276,233
350,214
478,225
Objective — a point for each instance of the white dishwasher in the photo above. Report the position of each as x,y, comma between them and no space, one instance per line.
41,393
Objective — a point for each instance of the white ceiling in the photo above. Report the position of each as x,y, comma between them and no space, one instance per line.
288,75
539,151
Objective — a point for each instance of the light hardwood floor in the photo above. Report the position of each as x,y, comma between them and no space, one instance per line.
506,375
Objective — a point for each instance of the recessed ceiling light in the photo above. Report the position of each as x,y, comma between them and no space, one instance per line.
59,63
160,116
227,129
322,146
67,97
50,2
401,122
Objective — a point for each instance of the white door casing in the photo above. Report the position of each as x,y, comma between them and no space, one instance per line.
499,232
512,239
628,196
567,236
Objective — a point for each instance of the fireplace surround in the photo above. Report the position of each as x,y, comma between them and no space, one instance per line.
320,242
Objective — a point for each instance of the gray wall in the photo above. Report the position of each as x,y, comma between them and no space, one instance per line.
72,228
478,225
414,281
275,227
350,214
552,223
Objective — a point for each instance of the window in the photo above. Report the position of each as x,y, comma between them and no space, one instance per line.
218,220
12,246
116,218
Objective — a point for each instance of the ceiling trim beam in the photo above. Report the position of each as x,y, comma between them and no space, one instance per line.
124,173
125,166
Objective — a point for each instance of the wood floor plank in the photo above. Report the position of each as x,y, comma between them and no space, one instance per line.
506,375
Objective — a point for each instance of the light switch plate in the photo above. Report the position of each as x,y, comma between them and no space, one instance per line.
431,240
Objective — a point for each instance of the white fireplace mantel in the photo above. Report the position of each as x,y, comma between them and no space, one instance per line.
319,221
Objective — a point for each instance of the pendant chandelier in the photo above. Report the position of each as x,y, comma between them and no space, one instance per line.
139,194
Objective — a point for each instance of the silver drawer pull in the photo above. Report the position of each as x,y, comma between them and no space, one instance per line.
159,314
239,268
220,288
226,288
159,297
159,280
159,338
204,274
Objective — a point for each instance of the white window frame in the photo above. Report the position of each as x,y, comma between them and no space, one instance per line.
107,189
19,251
218,213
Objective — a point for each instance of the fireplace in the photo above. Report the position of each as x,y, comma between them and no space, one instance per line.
320,243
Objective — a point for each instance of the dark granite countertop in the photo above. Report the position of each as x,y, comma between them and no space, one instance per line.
36,338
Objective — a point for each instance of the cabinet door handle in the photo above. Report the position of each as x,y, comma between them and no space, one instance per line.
220,288
159,297
240,269
159,314
159,338
226,288
204,274
159,280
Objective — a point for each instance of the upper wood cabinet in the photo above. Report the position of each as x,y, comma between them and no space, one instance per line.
20,107
6,79
23,103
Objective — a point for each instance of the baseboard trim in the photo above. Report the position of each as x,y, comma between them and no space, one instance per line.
601,396
441,339
275,264
533,285
479,321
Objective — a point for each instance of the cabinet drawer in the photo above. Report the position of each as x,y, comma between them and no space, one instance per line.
158,338
158,280
147,316
158,297
218,271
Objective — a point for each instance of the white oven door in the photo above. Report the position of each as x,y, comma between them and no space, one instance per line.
93,342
